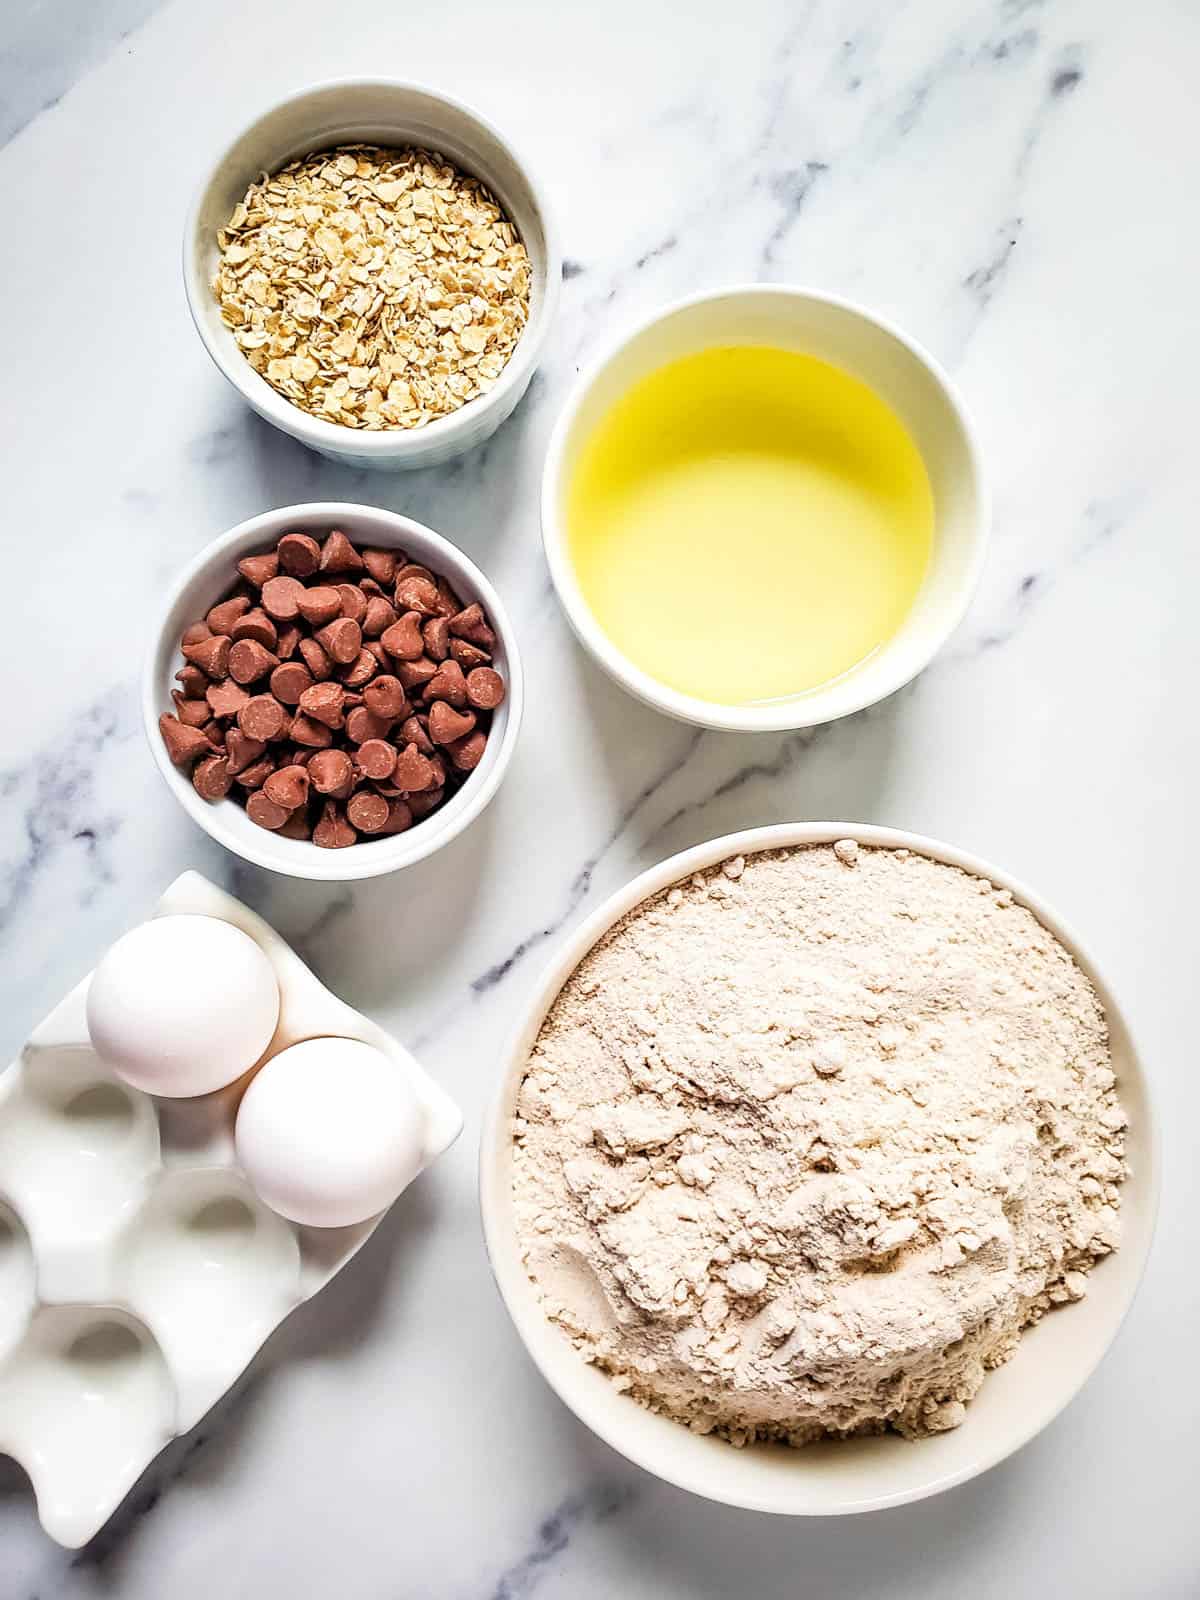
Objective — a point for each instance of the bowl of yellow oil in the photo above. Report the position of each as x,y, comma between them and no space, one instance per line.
763,509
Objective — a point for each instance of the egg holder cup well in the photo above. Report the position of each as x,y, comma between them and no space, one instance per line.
139,1271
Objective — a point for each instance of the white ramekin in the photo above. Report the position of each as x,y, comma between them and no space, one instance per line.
213,574
1016,1402
378,111
860,343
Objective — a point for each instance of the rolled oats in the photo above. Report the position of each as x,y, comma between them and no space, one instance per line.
373,288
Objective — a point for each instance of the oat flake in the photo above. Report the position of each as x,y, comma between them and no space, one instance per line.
373,288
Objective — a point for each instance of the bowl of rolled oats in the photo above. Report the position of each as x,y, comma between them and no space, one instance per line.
374,270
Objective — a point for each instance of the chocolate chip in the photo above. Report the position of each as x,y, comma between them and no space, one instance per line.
417,594
265,812
468,655
377,617
368,812
377,758
436,634
447,725
412,771
184,744
403,639
333,832
361,670
320,605
249,661
256,774
241,751
384,697
298,555
471,624
192,713
449,685
192,681
362,724
256,625
332,772
467,753
212,779
259,570
485,688
317,756
289,681
415,674
287,787
414,731
324,702
262,717
339,555
400,816
222,618
381,564
281,598
341,640
423,803
315,659
225,699
289,641
297,825
306,731
353,602
211,655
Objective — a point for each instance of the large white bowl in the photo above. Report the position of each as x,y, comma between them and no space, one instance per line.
839,1476
898,370
374,111
213,574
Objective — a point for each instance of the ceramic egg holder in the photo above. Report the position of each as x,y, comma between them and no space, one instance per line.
139,1272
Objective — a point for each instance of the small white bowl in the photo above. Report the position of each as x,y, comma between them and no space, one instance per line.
890,363
213,574
838,1476
374,111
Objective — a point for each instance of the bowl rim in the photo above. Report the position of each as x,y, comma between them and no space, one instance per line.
805,710
451,433
394,855
606,1419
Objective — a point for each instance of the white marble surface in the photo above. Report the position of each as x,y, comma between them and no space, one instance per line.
1013,183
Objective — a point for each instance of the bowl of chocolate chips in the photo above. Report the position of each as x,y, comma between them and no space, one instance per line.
334,691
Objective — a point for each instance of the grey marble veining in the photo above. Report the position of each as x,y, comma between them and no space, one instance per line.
1010,181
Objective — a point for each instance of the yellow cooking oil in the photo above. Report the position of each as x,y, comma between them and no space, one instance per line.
749,523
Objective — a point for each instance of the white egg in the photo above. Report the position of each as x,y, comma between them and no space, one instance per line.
329,1132
182,1005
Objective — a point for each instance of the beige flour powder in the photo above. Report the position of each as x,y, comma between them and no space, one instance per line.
807,1140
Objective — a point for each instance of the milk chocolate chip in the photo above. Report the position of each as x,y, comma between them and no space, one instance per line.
320,605
261,718
225,699
222,618
333,832
249,661
211,778
368,812
339,555
265,812
403,639
298,555
332,772
381,691
184,744
211,655
256,625
485,688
